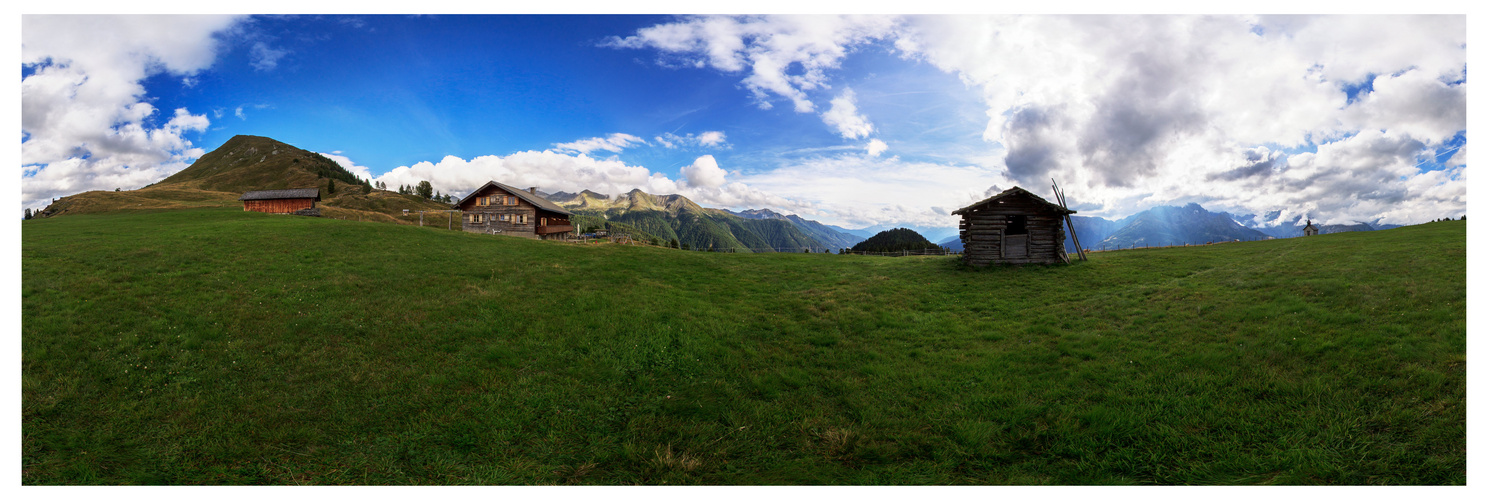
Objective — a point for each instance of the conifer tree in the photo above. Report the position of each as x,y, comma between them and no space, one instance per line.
330,186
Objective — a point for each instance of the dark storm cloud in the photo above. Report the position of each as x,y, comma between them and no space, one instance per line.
1033,136
1143,111
1261,165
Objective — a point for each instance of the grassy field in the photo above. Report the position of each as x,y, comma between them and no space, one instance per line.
216,346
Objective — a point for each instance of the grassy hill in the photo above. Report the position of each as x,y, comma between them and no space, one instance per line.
895,240
217,346
249,163
673,216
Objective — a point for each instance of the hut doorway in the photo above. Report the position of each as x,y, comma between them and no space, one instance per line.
1015,237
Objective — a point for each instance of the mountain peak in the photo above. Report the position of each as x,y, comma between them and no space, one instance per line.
250,162
761,213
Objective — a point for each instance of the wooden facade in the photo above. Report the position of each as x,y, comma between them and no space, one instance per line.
1013,227
280,201
497,208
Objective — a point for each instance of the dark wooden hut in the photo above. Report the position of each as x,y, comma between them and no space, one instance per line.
497,208
1013,227
280,201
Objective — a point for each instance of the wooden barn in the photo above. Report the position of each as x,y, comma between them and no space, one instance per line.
1013,227
497,208
280,201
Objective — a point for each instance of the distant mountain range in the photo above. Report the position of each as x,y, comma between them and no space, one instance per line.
1189,224
674,217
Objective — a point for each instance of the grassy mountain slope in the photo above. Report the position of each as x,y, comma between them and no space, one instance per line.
822,234
249,163
222,347
676,217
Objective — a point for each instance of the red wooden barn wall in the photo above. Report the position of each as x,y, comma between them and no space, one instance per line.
278,206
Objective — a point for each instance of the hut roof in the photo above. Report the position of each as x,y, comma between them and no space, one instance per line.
539,201
1009,192
282,194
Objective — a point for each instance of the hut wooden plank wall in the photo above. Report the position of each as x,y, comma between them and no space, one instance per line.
280,201
496,208
1013,227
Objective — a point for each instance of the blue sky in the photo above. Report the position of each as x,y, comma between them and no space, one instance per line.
851,120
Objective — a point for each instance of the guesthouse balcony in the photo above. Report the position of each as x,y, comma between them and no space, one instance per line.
553,228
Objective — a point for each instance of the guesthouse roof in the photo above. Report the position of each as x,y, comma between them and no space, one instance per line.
539,201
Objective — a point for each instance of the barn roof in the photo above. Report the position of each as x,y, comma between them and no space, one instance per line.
539,201
1010,192
282,194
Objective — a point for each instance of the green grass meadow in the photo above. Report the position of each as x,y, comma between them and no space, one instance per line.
216,346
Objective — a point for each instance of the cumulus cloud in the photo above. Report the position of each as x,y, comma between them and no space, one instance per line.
613,143
844,117
877,147
712,138
704,172
85,120
709,139
784,56
1458,158
1130,112
704,181
858,191
359,171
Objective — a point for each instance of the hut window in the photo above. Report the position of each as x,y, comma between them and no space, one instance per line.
1017,224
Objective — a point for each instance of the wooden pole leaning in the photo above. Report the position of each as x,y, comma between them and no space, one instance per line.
1074,237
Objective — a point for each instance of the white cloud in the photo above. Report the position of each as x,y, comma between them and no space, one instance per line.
1135,111
263,57
704,182
785,56
857,191
877,147
613,143
549,171
709,139
1459,158
704,172
844,117
86,123
712,138
359,171
238,112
